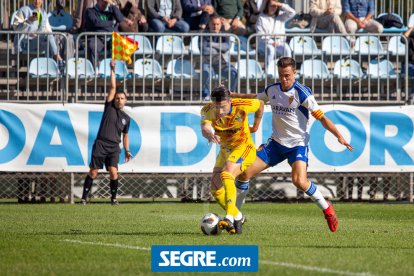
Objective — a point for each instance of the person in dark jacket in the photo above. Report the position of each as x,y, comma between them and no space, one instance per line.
252,10
103,17
214,61
197,13
166,15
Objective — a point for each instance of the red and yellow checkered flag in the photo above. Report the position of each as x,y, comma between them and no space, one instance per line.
123,47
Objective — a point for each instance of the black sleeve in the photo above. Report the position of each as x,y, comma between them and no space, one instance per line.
126,128
118,14
92,21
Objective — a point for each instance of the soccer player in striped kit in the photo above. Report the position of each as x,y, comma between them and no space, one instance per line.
291,103
229,119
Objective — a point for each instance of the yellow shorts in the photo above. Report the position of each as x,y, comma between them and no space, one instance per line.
244,155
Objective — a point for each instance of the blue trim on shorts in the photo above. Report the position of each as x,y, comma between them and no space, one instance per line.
272,153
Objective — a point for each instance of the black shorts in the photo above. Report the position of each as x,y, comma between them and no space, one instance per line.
104,153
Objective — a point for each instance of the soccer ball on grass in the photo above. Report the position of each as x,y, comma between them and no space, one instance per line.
209,224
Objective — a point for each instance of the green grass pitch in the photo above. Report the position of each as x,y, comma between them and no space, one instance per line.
293,239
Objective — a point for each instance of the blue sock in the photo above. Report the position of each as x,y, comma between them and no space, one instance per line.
242,190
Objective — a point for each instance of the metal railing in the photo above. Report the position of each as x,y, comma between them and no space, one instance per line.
181,69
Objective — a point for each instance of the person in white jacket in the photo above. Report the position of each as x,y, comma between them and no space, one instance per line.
272,22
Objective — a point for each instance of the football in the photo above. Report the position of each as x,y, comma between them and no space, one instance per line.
209,224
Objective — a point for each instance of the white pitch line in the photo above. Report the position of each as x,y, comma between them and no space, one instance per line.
290,265
318,269
110,245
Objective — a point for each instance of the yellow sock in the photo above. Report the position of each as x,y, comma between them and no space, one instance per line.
220,196
231,193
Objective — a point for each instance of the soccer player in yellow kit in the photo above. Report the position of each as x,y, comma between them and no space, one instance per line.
229,120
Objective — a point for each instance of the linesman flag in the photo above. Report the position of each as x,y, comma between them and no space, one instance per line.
123,47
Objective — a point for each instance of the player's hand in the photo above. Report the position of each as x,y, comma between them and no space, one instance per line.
128,156
253,129
129,22
214,138
345,143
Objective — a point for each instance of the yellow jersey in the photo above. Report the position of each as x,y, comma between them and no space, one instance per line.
232,128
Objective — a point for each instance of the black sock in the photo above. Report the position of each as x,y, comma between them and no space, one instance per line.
87,185
114,188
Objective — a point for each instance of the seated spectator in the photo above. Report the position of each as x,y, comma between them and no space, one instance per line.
212,50
166,15
102,18
409,35
132,9
272,21
252,10
197,13
79,16
33,18
231,12
359,16
57,14
326,15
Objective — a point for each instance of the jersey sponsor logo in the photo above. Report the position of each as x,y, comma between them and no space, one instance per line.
278,108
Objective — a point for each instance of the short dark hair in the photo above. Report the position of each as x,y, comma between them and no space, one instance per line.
120,92
266,9
220,93
214,16
286,62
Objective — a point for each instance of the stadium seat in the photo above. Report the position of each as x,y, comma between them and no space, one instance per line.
336,45
304,45
43,68
348,69
194,45
394,29
250,69
369,45
234,47
178,68
396,47
81,66
170,45
381,69
314,69
121,71
147,68
411,21
271,70
144,45
60,22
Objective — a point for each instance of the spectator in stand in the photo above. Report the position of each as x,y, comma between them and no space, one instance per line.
359,16
271,22
197,13
166,15
252,10
133,10
409,35
33,18
214,60
102,18
326,15
231,12
79,16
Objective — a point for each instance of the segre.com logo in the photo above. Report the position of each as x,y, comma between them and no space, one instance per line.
205,258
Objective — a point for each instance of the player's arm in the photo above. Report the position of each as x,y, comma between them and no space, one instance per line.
208,133
111,93
332,129
125,141
243,96
257,118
